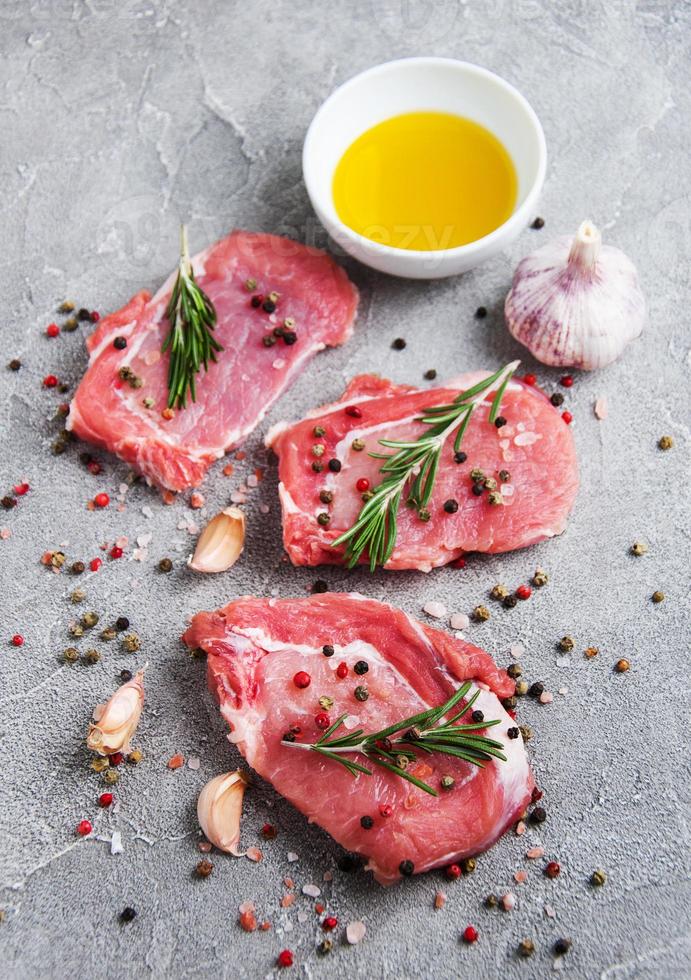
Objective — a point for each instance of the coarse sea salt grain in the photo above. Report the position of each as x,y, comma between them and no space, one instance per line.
520,877
601,408
238,498
312,891
194,762
355,932
563,690
563,661
527,438
252,480
459,621
263,508
549,912
278,364
546,697
144,540
116,843
147,511
535,852
293,857
507,490
508,902
437,610
517,650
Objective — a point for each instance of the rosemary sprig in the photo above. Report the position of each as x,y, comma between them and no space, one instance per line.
423,732
412,469
191,342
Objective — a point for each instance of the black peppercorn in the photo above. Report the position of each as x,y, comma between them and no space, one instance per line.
165,565
477,715
256,302
268,340
538,815
451,506
538,223
460,457
125,676
326,496
512,733
83,314
557,399
509,703
500,421
478,489
77,567
481,312
8,502
119,343
269,306
562,946
320,586
406,868
335,465
399,343
122,623
328,650
128,913
288,737
430,375
14,364
361,693
509,602
366,823
289,337
361,667
536,689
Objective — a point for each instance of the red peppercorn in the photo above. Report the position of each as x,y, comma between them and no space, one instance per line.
95,316
342,669
470,934
319,908
50,381
94,467
552,870
116,758
322,720
536,795
21,489
269,831
52,330
302,679
95,564
452,872
285,958
105,799
116,551
17,640
329,923
354,411
362,484
530,379
459,563
101,499
523,592
568,417
566,381
84,828
385,809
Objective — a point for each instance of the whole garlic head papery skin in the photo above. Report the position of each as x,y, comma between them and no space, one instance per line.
576,302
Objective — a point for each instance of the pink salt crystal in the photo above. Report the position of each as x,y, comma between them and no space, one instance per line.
328,876
563,690
459,621
5,533
152,357
508,901
436,610
312,891
197,501
263,508
601,408
287,901
204,846
121,508
122,541
140,554
252,481
521,877
520,828
238,498
278,364
517,650
535,852
527,438
254,854
546,697
549,912
355,932
247,907
439,900
289,883
144,540
193,762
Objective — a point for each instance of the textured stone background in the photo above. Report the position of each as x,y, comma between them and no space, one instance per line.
118,120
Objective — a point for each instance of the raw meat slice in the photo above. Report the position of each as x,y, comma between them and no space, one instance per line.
256,646
536,447
234,395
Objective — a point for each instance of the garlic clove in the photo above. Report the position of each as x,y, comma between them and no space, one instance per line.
115,722
219,809
576,302
221,542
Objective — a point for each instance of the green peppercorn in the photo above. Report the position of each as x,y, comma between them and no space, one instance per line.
468,865
135,757
76,629
79,595
447,782
509,703
521,688
92,656
498,592
598,878
491,901
324,519
70,655
99,764
424,515
131,643
658,596
566,644
490,483
318,449
70,324
358,445
109,634
665,442
526,732
317,466
514,670
367,495
110,777
481,614
361,693
318,431
495,499
540,578
89,619
325,946
165,565
526,947
639,548
477,475
268,340
326,702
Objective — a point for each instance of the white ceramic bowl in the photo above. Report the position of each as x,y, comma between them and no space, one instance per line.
414,84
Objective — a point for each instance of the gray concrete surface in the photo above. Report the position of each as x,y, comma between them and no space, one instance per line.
119,119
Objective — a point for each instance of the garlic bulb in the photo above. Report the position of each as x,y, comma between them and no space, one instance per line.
221,542
115,722
576,303
219,809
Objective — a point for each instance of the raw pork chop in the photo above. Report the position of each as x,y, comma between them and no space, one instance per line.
536,448
236,392
256,646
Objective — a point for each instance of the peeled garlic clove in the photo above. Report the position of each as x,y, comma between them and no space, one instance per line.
576,302
115,722
219,809
221,542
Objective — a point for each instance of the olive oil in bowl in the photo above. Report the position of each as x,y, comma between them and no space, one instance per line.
425,181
